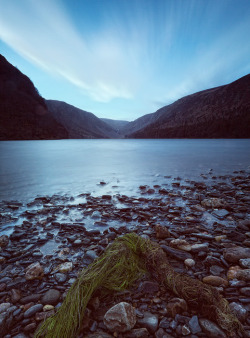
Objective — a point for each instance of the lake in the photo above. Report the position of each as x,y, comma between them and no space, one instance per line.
36,168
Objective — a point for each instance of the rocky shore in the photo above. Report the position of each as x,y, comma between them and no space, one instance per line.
204,227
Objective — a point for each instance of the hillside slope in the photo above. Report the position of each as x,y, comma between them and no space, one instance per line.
221,112
79,123
23,112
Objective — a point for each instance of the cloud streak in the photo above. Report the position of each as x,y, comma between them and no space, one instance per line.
157,52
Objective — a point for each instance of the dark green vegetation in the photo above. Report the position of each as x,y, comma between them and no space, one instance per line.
23,112
125,261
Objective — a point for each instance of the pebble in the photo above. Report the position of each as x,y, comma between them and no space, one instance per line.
149,321
51,297
33,310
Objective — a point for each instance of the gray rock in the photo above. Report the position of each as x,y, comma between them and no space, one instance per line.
90,256
162,334
239,311
20,335
245,291
33,310
31,298
142,332
211,329
199,247
194,325
233,255
216,270
220,214
51,297
4,307
60,277
150,321
121,317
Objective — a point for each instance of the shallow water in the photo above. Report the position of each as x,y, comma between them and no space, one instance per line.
37,168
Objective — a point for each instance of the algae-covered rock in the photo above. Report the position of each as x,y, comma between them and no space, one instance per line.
121,317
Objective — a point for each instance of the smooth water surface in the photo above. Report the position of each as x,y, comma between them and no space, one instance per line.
36,168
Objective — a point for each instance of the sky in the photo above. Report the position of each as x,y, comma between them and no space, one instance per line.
122,59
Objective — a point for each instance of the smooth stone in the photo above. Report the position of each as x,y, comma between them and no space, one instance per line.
33,310
189,262
239,311
243,274
34,271
44,315
178,254
199,247
233,255
142,332
31,298
99,334
162,334
121,317
216,270
20,335
51,297
215,281
194,325
245,291
4,241
4,307
245,263
211,329
60,277
220,214
65,267
90,255
149,321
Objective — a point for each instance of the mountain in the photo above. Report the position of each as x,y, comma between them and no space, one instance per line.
221,112
23,112
79,123
116,124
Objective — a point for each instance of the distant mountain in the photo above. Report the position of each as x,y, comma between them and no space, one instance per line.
221,112
116,124
79,123
23,112
137,124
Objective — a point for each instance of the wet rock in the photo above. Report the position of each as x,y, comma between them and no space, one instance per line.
220,214
194,325
199,247
185,330
245,263
233,255
65,267
51,297
31,298
239,311
149,321
4,241
232,272
245,291
243,274
121,317
137,333
34,271
15,295
216,270
33,310
60,277
20,335
4,307
189,263
162,334
215,281
178,254
90,256
176,306
213,203
211,329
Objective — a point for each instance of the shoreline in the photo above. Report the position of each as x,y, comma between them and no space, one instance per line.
198,221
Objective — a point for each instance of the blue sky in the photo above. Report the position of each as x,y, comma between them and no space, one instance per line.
122,59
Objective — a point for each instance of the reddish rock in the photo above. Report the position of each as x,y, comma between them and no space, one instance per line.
215,281
120,318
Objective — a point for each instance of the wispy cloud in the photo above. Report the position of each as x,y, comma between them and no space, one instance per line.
104,68
155,52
